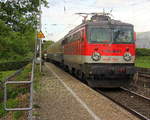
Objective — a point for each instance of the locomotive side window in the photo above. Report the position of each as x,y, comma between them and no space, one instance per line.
70,39
76,36
100,35
82,35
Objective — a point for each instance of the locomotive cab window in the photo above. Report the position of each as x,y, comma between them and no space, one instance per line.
100,35
123,36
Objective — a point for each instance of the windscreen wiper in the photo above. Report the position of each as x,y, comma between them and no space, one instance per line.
117,34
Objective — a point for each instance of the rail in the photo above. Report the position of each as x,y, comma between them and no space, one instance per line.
141,116
143,72
146,75
147,98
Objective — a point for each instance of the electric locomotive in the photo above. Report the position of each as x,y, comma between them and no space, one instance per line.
100,51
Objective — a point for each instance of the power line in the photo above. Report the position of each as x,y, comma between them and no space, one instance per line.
70,26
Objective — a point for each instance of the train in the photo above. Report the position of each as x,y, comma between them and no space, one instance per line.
100,52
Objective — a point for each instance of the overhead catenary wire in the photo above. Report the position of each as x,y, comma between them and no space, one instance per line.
66,29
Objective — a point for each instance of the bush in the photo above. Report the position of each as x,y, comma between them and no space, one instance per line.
16,45
143,61
17,115
2,110
142,52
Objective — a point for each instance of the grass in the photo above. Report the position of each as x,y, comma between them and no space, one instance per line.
142,61
17,115
20,58
5,74
14,92
25,74
11,103
2,111
9,60
38,77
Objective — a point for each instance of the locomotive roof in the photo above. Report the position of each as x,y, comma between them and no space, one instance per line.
102,21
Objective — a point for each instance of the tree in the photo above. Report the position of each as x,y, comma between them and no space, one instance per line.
18,20
20,14
46,44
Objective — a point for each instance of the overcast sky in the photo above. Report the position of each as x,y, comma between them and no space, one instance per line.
60,17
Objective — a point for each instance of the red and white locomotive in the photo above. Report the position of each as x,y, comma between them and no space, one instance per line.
100,51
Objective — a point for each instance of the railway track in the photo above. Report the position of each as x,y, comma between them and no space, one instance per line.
144,75
125,89
133,102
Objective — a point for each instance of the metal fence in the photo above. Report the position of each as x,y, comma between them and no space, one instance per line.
31,93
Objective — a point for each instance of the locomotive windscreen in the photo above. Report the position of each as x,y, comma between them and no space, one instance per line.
100,35
123,35
108,36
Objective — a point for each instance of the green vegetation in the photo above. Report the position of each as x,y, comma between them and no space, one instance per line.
142,57
46,44
17,115
18,23
2,111
10,104
14,45
142,52
38,76
143,61
15,92
25,74
4,74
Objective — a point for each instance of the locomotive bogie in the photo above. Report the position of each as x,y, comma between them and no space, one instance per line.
109,75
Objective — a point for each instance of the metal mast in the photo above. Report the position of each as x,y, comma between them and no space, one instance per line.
40,39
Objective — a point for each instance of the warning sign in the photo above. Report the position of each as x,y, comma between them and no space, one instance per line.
40,35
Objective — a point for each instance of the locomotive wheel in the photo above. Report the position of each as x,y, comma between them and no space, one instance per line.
72,71
66,68
80,75
84,78
76,73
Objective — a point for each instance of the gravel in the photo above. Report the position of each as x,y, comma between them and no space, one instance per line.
130,100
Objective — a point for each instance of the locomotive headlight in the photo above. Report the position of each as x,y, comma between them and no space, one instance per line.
96,56
127,56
